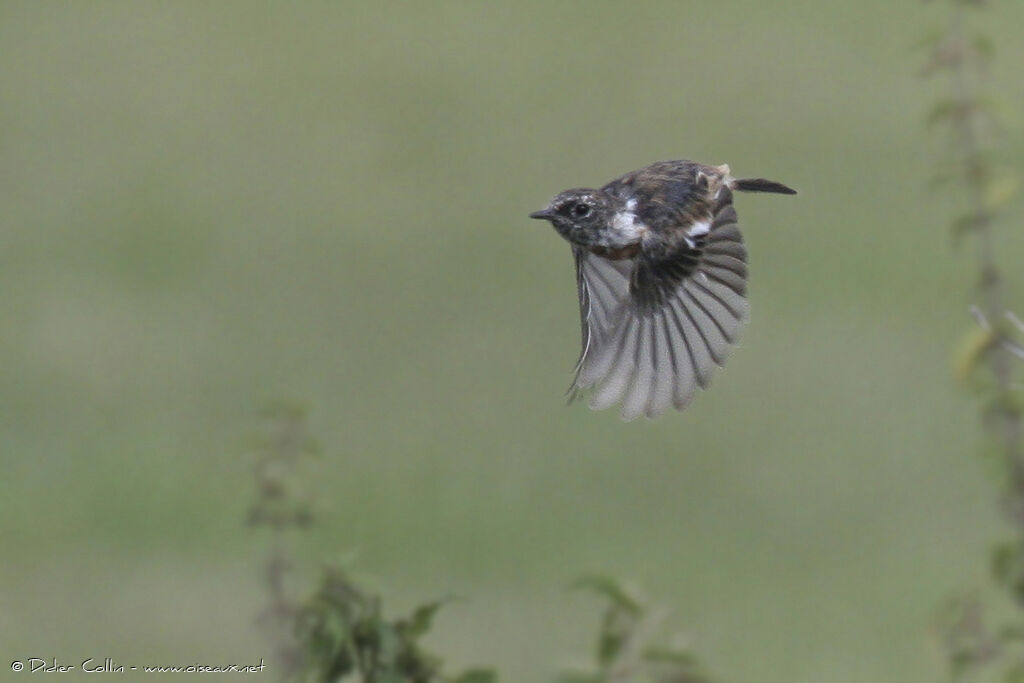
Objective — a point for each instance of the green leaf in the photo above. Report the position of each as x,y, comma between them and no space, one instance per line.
611,589
609,646
423,618
970,351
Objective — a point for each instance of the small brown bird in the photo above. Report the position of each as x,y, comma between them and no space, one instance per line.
661,273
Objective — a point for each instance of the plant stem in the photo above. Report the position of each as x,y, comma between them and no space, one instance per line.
1007,429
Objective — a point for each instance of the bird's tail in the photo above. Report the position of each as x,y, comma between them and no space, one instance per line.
761,185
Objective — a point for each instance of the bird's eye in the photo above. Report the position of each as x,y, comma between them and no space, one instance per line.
581,210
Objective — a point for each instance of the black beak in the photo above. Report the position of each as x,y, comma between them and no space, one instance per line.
544,215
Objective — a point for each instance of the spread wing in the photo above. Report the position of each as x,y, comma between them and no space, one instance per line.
655,326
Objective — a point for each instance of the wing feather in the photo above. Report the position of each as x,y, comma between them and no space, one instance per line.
649,350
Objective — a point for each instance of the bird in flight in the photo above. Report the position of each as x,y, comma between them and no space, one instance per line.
661,274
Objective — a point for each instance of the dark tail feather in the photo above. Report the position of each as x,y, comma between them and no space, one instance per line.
761,185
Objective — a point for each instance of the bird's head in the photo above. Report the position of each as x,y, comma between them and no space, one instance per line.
578,215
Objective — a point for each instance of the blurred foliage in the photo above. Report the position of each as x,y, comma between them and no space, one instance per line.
984,358
281,452
340,632
346,637
281,455
631,646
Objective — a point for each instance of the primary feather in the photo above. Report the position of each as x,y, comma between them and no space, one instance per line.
656,325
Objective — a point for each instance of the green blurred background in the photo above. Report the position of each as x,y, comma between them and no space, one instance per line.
206,206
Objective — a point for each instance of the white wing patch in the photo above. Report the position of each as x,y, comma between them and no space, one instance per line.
698,229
